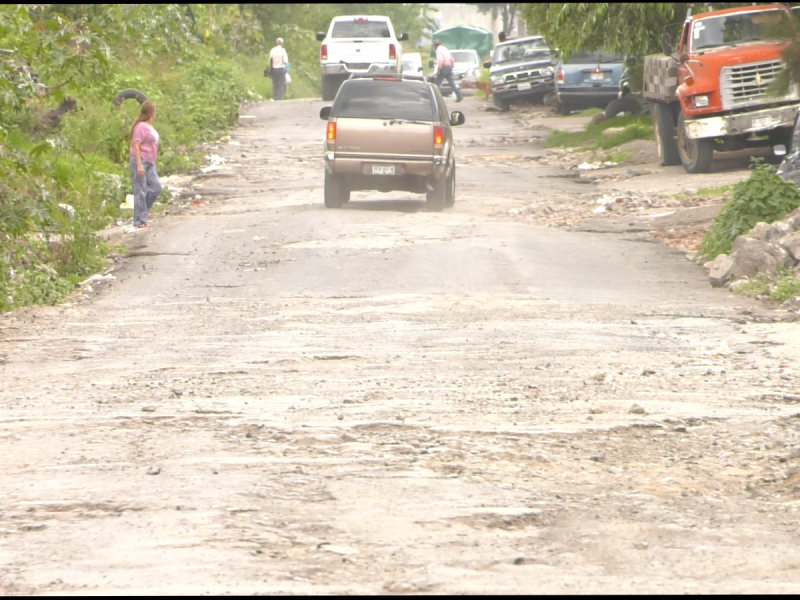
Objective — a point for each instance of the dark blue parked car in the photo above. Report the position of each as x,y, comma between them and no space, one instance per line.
588,80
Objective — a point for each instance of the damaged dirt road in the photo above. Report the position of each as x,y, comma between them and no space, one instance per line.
271,397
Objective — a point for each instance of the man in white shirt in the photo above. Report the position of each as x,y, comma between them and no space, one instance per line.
278,63
444,68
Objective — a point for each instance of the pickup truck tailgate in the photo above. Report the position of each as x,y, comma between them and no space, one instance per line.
380,139
359,53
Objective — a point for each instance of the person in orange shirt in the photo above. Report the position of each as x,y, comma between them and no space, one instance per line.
444,68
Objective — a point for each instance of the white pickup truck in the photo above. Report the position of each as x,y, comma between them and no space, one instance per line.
358,44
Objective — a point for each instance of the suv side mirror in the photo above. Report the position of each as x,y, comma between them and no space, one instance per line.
320,37
487,64
325,113
403,37
430,64
456,118
554,61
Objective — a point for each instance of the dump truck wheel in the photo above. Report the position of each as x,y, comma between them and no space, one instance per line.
664,127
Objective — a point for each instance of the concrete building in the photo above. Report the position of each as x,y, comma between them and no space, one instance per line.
448,15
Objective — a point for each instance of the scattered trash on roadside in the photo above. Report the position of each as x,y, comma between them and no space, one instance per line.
67,210
598,165
216,161
128,204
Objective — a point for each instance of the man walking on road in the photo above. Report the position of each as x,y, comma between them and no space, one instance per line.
444,68
278,61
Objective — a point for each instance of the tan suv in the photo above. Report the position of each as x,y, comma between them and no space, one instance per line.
386,133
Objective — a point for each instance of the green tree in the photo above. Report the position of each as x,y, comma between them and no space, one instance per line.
621,28
508,12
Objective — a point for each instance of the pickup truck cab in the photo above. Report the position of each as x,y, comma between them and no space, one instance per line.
358,45
520,69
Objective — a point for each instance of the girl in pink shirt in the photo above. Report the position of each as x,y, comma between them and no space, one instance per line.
144,151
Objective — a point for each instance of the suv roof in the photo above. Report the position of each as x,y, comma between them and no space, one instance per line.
387,77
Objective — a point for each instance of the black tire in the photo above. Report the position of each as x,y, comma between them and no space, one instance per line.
696,155
330,85
127,94
435,200
664,126
450,191
563,109
626,104
503,105
336,191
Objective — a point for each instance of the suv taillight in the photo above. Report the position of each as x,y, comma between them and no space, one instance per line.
323,52
438,137
561,75
392,51
331,132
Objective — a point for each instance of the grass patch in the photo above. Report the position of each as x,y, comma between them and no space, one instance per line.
620,156
630,128
780,286
720,190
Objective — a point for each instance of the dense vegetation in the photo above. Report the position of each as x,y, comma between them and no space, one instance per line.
763,198
63,147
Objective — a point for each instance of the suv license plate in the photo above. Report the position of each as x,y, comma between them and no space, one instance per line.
596,77
524,86
383,169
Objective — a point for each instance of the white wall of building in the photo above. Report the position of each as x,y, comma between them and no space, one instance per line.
449,15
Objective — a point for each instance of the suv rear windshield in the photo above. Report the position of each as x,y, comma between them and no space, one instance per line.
386,100
360,29
583,58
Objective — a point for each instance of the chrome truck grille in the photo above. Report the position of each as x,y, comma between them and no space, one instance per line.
523,75
746,85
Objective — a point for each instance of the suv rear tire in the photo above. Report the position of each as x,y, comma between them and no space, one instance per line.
436,199
563,109
336,191
450,192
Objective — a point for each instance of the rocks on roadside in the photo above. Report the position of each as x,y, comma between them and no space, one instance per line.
766,249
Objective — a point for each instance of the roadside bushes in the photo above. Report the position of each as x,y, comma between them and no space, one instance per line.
62,180
764,197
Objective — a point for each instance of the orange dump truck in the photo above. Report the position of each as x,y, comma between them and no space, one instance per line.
710,94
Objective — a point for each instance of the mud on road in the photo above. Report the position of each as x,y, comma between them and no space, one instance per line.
272,397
